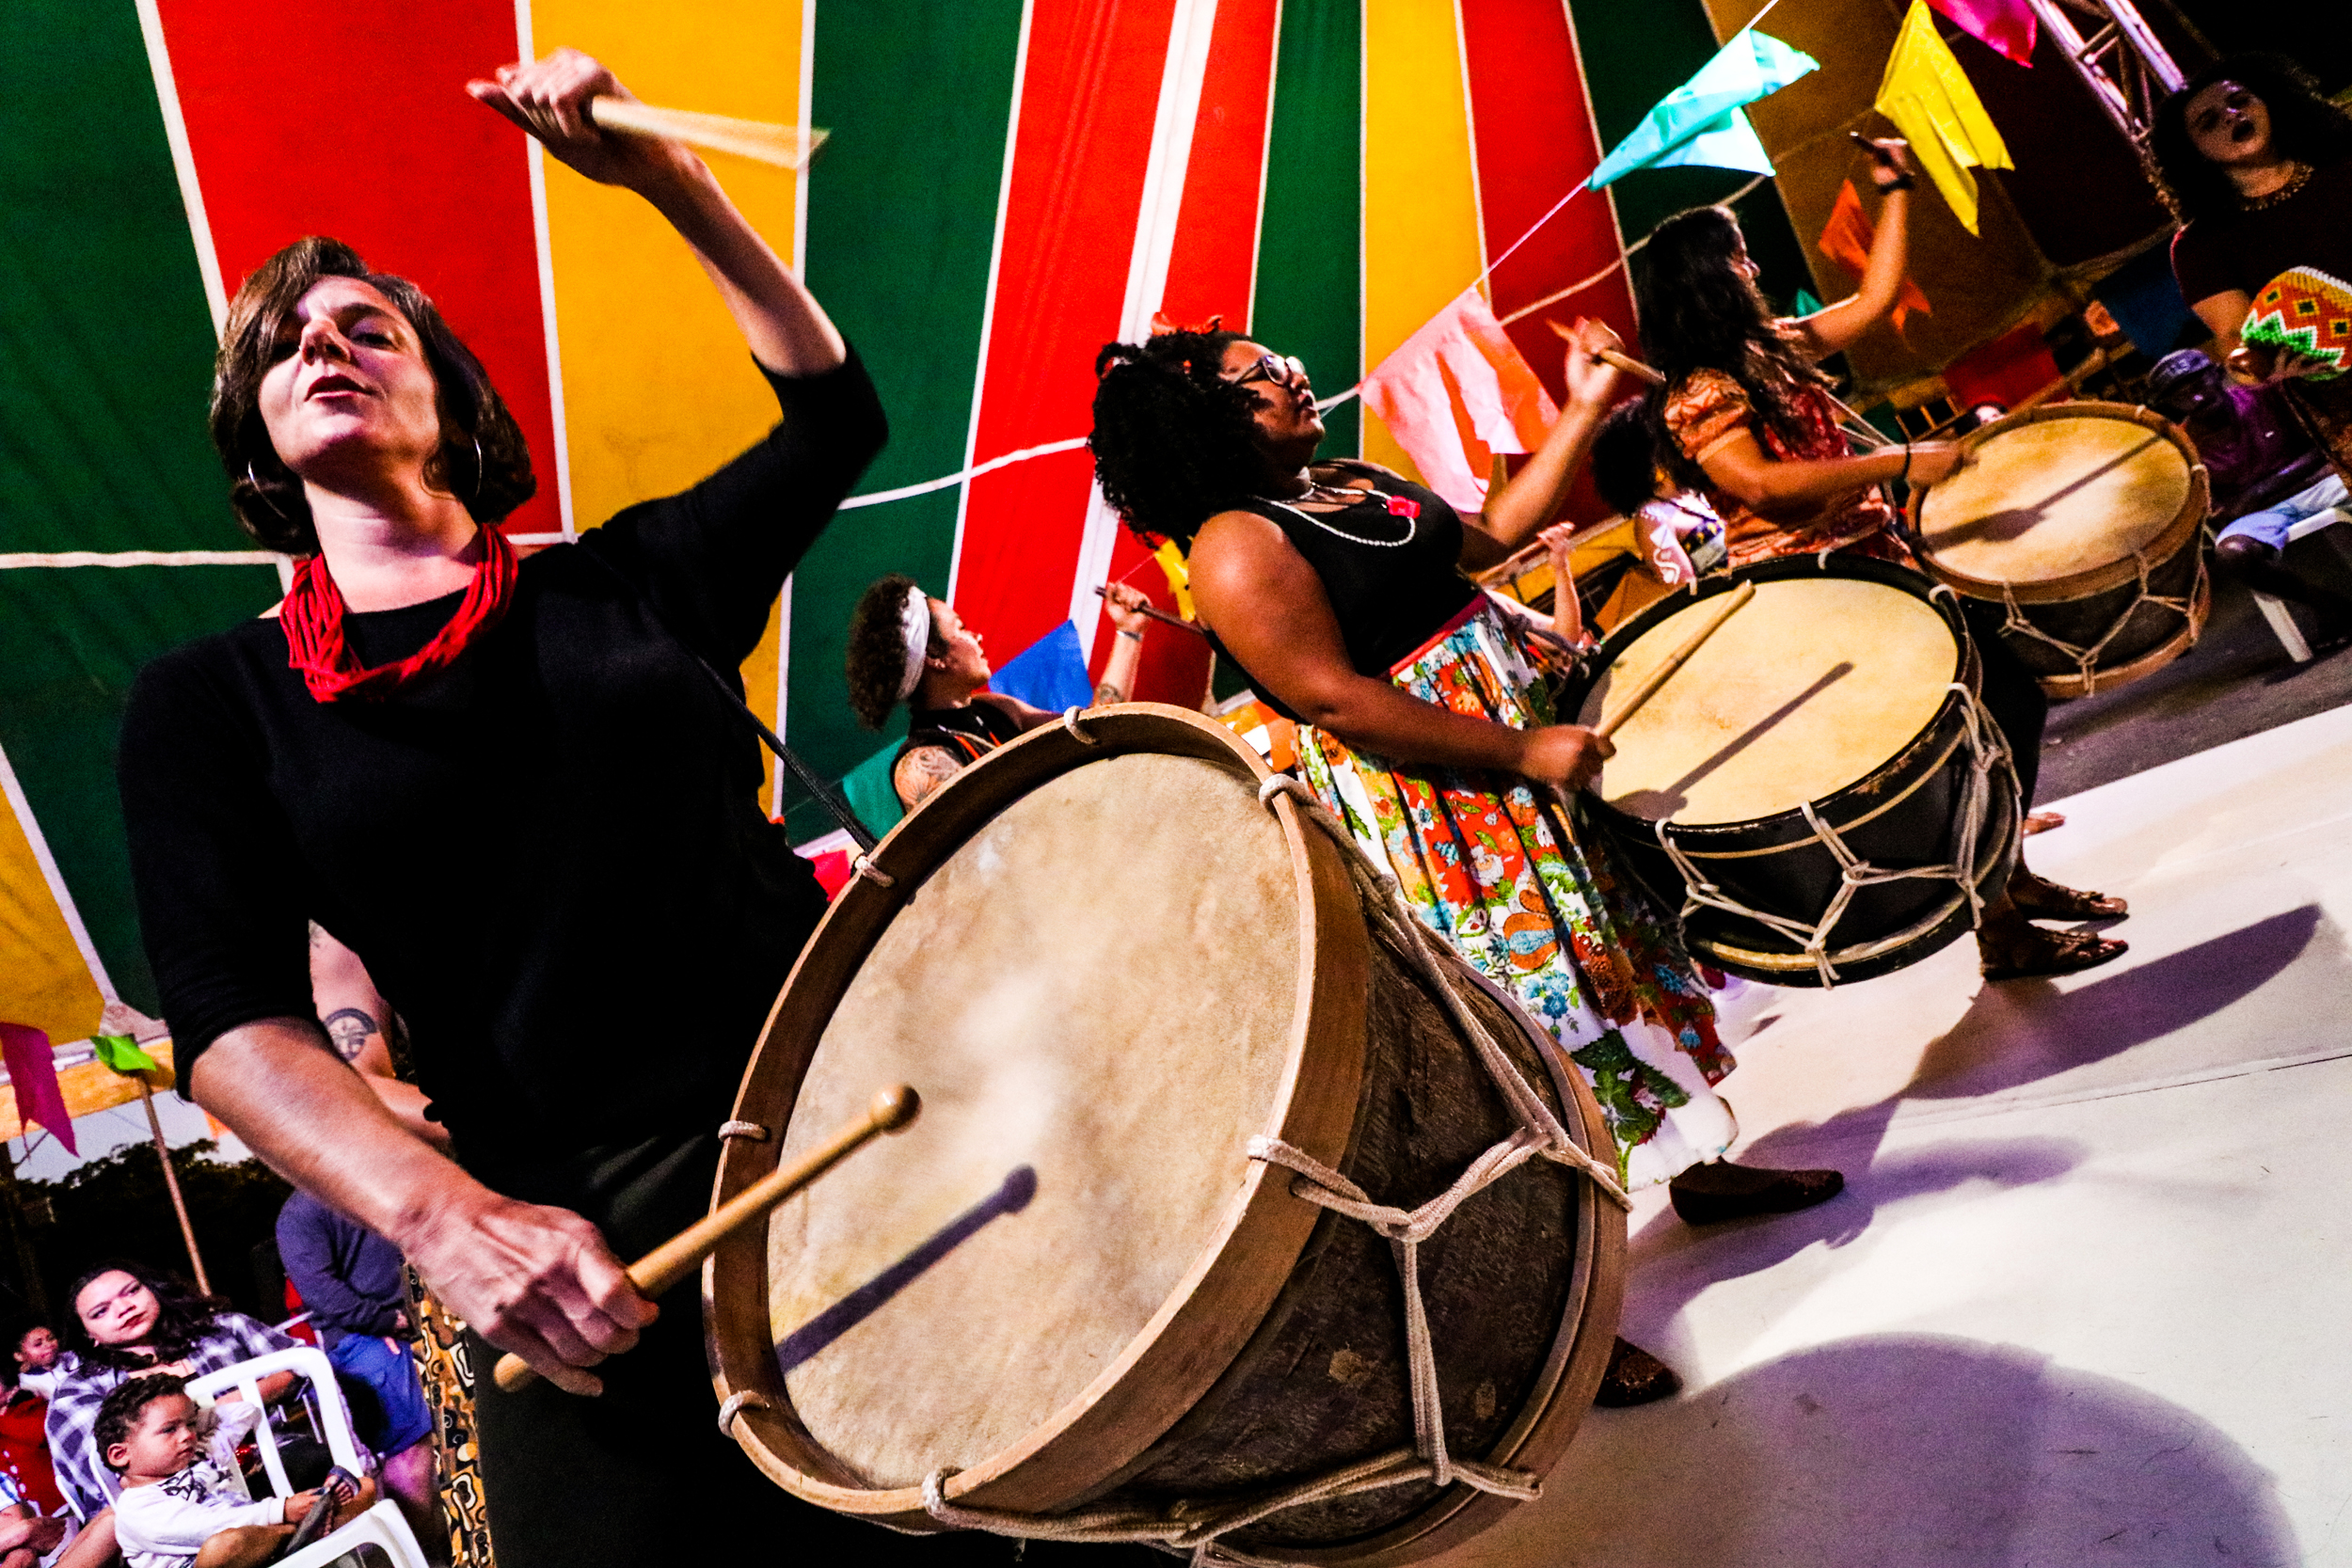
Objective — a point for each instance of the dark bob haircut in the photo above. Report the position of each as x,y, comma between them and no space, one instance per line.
878,650
186,1316
482,460
119,1413
1174,442
2304,126
1625,461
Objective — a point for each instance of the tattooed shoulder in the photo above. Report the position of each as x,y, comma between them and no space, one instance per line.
923,770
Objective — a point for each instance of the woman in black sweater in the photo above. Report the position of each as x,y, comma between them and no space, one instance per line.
509,791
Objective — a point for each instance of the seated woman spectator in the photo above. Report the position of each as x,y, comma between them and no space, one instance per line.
908,648
130,1320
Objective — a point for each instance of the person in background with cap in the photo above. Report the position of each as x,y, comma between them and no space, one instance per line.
2265,474
907,647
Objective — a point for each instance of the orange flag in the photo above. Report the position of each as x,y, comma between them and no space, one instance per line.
1456,392
1847,242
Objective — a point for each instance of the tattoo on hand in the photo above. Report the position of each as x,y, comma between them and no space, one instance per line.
348,1030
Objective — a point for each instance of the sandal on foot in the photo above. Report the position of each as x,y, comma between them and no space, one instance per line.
1635,1377
2043,822
1719,1191
2042,899
2053,953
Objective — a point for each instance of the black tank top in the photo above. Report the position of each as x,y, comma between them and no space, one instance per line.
968,732
1389,565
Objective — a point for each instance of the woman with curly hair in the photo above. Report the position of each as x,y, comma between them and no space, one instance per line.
130,1320
2258,167
907,647
1747,420
1426,726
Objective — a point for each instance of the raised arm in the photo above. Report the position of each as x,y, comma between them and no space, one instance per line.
1835,327
1514,512
787,330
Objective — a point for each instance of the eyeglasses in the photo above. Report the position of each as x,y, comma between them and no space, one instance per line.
1283,370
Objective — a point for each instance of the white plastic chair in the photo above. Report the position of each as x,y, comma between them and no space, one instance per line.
381,1525
2274,609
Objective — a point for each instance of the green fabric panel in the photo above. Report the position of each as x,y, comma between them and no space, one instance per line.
871,794
1310,290
105,360
902,224
1633,57
71,639
105,340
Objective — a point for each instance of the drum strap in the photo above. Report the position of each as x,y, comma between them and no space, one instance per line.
1986,751
1196,1526
2087,660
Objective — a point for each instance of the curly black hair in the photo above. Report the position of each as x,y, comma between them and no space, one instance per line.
185,1318
1625,458
483,458
118,1414
2304,126
1174,443
878,650
1700,312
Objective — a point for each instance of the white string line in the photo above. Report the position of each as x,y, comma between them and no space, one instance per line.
1577,288
139,558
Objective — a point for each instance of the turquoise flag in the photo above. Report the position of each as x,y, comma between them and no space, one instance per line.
1703,121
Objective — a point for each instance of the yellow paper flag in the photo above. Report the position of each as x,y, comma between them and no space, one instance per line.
1171,559
1929,98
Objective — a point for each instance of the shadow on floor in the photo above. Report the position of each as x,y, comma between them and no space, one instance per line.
1916,1451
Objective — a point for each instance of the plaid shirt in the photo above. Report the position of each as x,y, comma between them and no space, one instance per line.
82,1475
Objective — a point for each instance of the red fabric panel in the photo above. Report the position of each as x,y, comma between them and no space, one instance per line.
1208,274
308,117
1089,87
2006,371
1532,123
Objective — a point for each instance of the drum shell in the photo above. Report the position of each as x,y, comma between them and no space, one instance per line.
1905,812
2081,608
1209,1400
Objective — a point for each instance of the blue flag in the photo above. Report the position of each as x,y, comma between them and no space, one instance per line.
1703,121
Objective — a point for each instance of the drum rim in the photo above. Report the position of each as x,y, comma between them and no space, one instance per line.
2155,658
2169,542
1781,568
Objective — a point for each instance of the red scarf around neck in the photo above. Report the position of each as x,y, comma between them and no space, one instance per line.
312,617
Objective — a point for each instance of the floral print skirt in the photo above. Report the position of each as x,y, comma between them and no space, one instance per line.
1526,891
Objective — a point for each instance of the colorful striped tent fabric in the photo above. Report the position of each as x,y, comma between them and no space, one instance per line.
1009,184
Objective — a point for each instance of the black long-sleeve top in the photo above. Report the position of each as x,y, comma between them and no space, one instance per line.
349,1277
550,856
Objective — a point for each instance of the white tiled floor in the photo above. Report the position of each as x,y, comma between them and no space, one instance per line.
2085,1301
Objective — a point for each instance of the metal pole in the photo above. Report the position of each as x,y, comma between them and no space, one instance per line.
171,1180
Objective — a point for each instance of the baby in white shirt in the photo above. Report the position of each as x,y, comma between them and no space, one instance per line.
183,1503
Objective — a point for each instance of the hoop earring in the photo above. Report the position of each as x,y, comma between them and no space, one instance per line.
254,480
479,467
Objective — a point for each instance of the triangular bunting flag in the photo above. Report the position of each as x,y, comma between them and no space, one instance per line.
1459,380
1701,122
2005,26
1847,242
1930,100
33,1074
121,1053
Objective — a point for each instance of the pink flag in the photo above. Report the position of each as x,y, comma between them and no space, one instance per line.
2006,25
1454,393
33,1074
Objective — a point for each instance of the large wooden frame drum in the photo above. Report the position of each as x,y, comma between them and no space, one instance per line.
1276,1355
2080,540
1807,836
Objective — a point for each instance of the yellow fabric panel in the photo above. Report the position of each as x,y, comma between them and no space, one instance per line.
93,1086
658,390
1421,238
43,981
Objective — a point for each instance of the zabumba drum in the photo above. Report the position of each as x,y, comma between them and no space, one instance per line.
1160,1023
2075,529
1819,789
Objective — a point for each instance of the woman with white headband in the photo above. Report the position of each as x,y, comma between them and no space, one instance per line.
907,647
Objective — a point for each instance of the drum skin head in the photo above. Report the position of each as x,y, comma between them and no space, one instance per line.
1809,689
1080,1144
2054,498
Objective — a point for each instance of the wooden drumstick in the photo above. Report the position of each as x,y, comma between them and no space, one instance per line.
1676,661
1625,362
893,1108
784,146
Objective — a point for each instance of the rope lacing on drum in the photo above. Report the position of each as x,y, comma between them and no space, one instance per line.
1985,751
1194,1526
2087,660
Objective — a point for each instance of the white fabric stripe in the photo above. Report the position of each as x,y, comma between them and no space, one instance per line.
1469,128
1182,74
783,687
141,557
56,878
988,323
542,240
183,162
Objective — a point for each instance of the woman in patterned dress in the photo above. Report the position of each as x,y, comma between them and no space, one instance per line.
1746,419
1425,727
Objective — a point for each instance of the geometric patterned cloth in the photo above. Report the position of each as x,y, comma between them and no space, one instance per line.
2305,317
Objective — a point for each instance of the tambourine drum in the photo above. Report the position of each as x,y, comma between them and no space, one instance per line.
1079,1293
1820,788
2075,529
